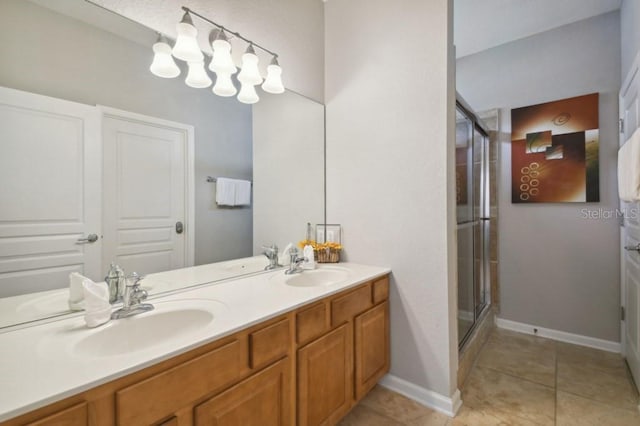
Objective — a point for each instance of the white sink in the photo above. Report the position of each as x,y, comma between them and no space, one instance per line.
324,276
170,322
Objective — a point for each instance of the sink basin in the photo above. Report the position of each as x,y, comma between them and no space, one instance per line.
325,276
169,322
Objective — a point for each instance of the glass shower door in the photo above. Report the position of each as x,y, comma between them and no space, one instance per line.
472,212
465,223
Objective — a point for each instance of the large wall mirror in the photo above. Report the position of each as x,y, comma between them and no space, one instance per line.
65,58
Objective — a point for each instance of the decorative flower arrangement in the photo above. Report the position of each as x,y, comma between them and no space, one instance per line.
324,252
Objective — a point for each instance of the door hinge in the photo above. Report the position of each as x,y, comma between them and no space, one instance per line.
621,313
621,125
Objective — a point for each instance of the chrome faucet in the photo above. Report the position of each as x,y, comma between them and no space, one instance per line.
294,266
271,252
133,295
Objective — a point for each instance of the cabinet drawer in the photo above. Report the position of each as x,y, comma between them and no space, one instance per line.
72,416
269,344
311,323
161,395
345,307
380,290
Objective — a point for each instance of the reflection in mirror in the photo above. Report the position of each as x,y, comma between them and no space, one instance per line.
133,167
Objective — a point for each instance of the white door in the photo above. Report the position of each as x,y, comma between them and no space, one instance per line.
630,233
148,201
50,174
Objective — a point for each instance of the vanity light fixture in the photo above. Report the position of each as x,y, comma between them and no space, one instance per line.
224,86
187,49
163,64
273,82
222,60
197,76
248,94
250,73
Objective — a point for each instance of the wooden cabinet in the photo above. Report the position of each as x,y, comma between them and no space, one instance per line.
263,399
336,370
308,367
325,378
161,395
371,348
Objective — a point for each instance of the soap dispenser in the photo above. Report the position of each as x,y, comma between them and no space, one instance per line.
115,282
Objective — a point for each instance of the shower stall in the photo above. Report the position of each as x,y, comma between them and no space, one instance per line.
473,220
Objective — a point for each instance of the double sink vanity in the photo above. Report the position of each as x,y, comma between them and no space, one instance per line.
264,349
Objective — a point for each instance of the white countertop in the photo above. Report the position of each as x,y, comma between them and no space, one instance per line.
38,364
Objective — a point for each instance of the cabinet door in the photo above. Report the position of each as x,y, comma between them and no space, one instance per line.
372,348
325,378
263,399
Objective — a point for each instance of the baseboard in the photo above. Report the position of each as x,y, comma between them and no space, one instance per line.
426,397
465,315
562,336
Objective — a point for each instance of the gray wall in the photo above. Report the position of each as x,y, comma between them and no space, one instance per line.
288,148
50,54
557,269
630,33
390,156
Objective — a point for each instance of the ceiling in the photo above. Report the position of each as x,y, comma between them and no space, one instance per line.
478,24
483,24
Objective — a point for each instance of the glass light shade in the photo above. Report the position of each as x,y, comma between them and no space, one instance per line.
197,76
273,82
249,72
222,60
248,94
163,64
224,86
186,47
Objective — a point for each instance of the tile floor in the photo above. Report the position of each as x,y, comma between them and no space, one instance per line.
522,380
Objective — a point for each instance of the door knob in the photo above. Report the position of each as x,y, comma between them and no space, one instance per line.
179,227
633,248
91,238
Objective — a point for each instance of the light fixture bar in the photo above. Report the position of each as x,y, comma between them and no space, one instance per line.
204,18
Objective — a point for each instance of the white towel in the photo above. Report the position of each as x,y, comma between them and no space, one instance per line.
629,169
243,193
76,293
96,303
225,192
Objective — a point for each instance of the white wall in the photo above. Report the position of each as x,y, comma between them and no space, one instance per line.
629,33
557,269
51,54
390,124
291,28
288,174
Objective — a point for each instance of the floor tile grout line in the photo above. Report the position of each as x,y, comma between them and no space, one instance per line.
555,386
515,376
614,407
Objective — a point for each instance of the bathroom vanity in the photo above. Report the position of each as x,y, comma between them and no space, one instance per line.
267,349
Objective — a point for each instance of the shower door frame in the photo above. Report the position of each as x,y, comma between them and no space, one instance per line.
482,217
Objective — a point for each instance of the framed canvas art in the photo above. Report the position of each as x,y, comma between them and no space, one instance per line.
554,152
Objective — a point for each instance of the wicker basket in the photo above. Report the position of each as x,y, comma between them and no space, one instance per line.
327,255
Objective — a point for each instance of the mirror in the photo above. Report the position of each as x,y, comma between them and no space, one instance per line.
54,48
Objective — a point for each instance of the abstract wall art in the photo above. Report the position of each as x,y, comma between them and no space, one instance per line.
554,152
